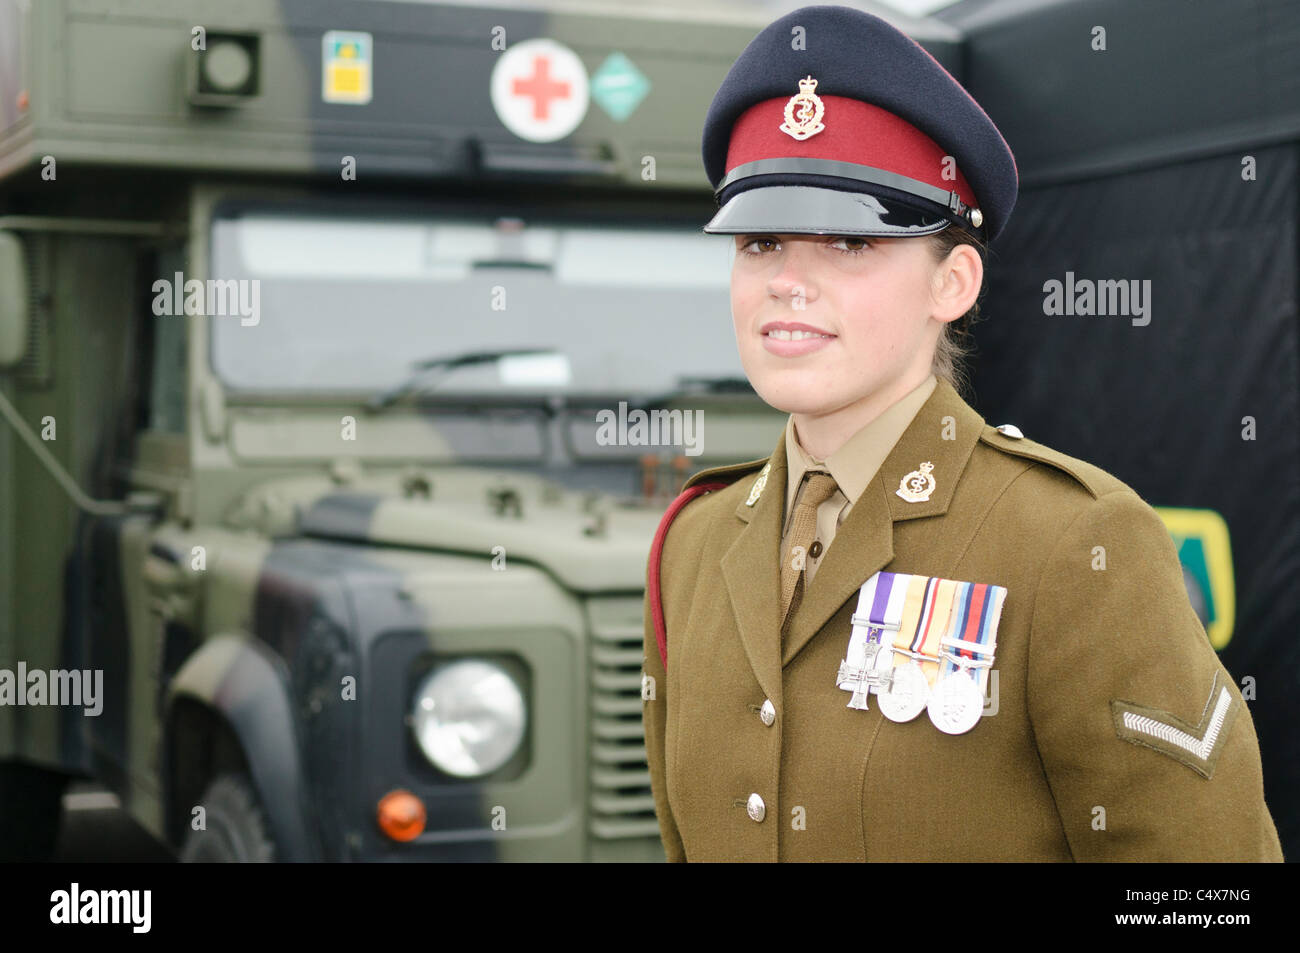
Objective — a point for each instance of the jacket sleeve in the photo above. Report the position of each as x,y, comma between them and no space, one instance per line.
654,717
1148,746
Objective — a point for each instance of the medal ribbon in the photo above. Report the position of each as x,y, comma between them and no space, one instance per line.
881,602
926,611
977,611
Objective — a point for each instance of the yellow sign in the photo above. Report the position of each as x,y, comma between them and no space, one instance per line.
346,67
1202,540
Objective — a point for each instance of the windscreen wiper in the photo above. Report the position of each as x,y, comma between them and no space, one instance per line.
417,380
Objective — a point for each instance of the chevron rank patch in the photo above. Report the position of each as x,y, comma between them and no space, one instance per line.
1196,746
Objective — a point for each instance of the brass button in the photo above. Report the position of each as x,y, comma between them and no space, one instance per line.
1010,430
768,712
815,549
756,809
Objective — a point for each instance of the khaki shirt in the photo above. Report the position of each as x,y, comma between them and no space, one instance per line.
853,466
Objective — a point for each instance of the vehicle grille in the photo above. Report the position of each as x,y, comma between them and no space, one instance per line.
622,804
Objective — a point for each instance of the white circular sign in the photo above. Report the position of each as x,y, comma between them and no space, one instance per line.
539,90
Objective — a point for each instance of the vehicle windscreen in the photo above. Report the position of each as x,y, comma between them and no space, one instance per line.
347,303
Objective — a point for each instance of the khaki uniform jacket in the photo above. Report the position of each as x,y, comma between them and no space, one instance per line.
1117,734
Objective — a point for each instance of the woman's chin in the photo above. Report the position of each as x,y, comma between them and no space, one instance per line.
792,397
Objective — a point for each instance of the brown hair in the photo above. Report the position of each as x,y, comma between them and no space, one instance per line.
955,342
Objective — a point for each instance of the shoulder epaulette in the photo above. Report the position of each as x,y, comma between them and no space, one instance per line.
728,474
1008,439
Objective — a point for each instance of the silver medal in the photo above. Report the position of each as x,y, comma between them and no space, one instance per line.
956,703
907,694
859,679
857,672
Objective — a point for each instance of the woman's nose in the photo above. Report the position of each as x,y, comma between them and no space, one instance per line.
794,278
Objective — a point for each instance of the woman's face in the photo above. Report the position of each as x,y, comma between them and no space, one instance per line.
880,301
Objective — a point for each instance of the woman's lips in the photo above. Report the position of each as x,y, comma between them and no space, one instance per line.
792,339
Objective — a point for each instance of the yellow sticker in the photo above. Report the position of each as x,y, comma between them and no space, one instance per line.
346,59
1204,548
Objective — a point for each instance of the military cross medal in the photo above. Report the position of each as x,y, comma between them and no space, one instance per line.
861,677
859,671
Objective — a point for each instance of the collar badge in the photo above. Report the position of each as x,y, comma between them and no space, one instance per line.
757,488
917,486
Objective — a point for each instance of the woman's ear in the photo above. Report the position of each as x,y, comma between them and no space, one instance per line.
957,282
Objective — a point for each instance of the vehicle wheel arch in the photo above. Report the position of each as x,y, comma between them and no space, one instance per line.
228,709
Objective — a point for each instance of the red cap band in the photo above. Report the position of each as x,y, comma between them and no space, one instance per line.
855,132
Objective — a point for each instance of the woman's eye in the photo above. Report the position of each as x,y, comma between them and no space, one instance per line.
856,244
756,241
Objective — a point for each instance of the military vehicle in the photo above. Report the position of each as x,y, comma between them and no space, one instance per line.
326,332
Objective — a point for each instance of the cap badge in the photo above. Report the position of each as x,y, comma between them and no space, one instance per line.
917,486
804,111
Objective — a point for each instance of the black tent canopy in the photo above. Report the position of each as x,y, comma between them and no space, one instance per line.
1158,145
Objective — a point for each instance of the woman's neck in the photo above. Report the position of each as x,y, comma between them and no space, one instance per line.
820,435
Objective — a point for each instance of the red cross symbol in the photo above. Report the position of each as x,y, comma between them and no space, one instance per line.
541,87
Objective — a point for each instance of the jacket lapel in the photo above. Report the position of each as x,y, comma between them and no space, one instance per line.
943,432
749,570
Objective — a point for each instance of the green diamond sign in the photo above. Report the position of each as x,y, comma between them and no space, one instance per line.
618,86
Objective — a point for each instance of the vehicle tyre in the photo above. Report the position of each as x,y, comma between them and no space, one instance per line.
236,828
31,810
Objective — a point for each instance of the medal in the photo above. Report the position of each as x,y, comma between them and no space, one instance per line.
956,703
907,694
856,679
880,605
938,653
914,654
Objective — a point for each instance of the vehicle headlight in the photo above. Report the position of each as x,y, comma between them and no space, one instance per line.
469,718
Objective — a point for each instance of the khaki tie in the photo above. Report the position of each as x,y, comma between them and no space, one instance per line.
818,488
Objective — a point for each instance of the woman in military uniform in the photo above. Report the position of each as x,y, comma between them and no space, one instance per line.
907,634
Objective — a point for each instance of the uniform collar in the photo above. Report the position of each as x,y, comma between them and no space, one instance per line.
855,464
943,433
